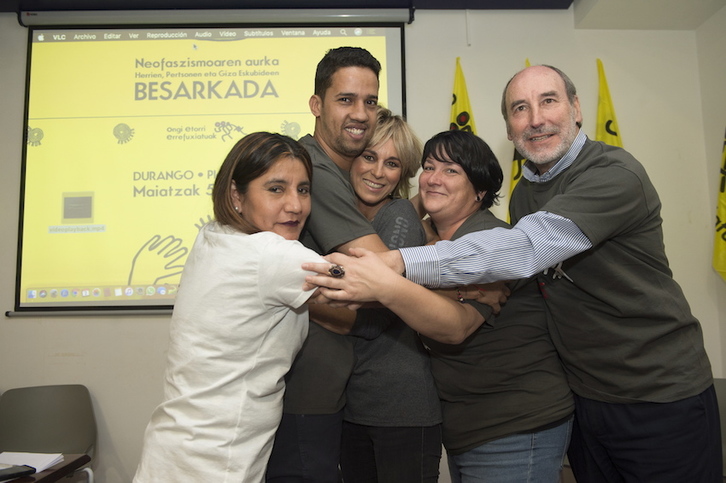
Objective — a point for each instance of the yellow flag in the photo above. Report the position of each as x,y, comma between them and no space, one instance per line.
607,129
719,244
517,163
461,116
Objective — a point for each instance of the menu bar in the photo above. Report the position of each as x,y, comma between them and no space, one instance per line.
110,35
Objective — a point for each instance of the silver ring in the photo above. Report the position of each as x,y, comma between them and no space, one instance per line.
336,271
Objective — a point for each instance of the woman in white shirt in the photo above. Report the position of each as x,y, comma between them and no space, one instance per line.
238,322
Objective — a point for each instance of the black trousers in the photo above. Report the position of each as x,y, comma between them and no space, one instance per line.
647,442
374,454
306,449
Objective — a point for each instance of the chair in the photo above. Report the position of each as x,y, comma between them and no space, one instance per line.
48,419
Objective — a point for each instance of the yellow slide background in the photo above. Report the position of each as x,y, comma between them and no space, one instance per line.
92,133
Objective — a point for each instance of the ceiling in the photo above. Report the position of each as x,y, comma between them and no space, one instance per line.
47,5
644,14
589,14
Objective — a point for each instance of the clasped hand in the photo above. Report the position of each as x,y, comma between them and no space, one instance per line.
368,278
364,274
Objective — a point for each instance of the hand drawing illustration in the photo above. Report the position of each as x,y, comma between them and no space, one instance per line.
159,258
202,222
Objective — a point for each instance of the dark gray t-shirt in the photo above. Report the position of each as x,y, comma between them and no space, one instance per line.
506,377
316,382
621,324
391,384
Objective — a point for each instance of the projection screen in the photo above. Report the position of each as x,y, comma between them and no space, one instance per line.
125,129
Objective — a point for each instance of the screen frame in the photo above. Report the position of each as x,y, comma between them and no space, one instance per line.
163,308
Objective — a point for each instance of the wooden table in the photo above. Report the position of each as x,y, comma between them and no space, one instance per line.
70,463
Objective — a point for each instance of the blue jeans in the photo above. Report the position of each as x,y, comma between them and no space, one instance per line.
518,458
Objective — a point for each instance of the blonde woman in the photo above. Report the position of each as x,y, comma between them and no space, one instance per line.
391,428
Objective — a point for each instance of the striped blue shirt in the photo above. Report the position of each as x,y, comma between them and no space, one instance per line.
538,241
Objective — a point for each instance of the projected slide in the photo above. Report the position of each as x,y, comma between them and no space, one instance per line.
125,131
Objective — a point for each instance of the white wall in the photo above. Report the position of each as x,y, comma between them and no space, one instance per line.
668,92
711,38
656,84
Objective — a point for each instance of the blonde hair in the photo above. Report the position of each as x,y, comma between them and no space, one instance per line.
407,144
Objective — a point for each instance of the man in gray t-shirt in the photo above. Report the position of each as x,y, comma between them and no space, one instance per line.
588,223
345,108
